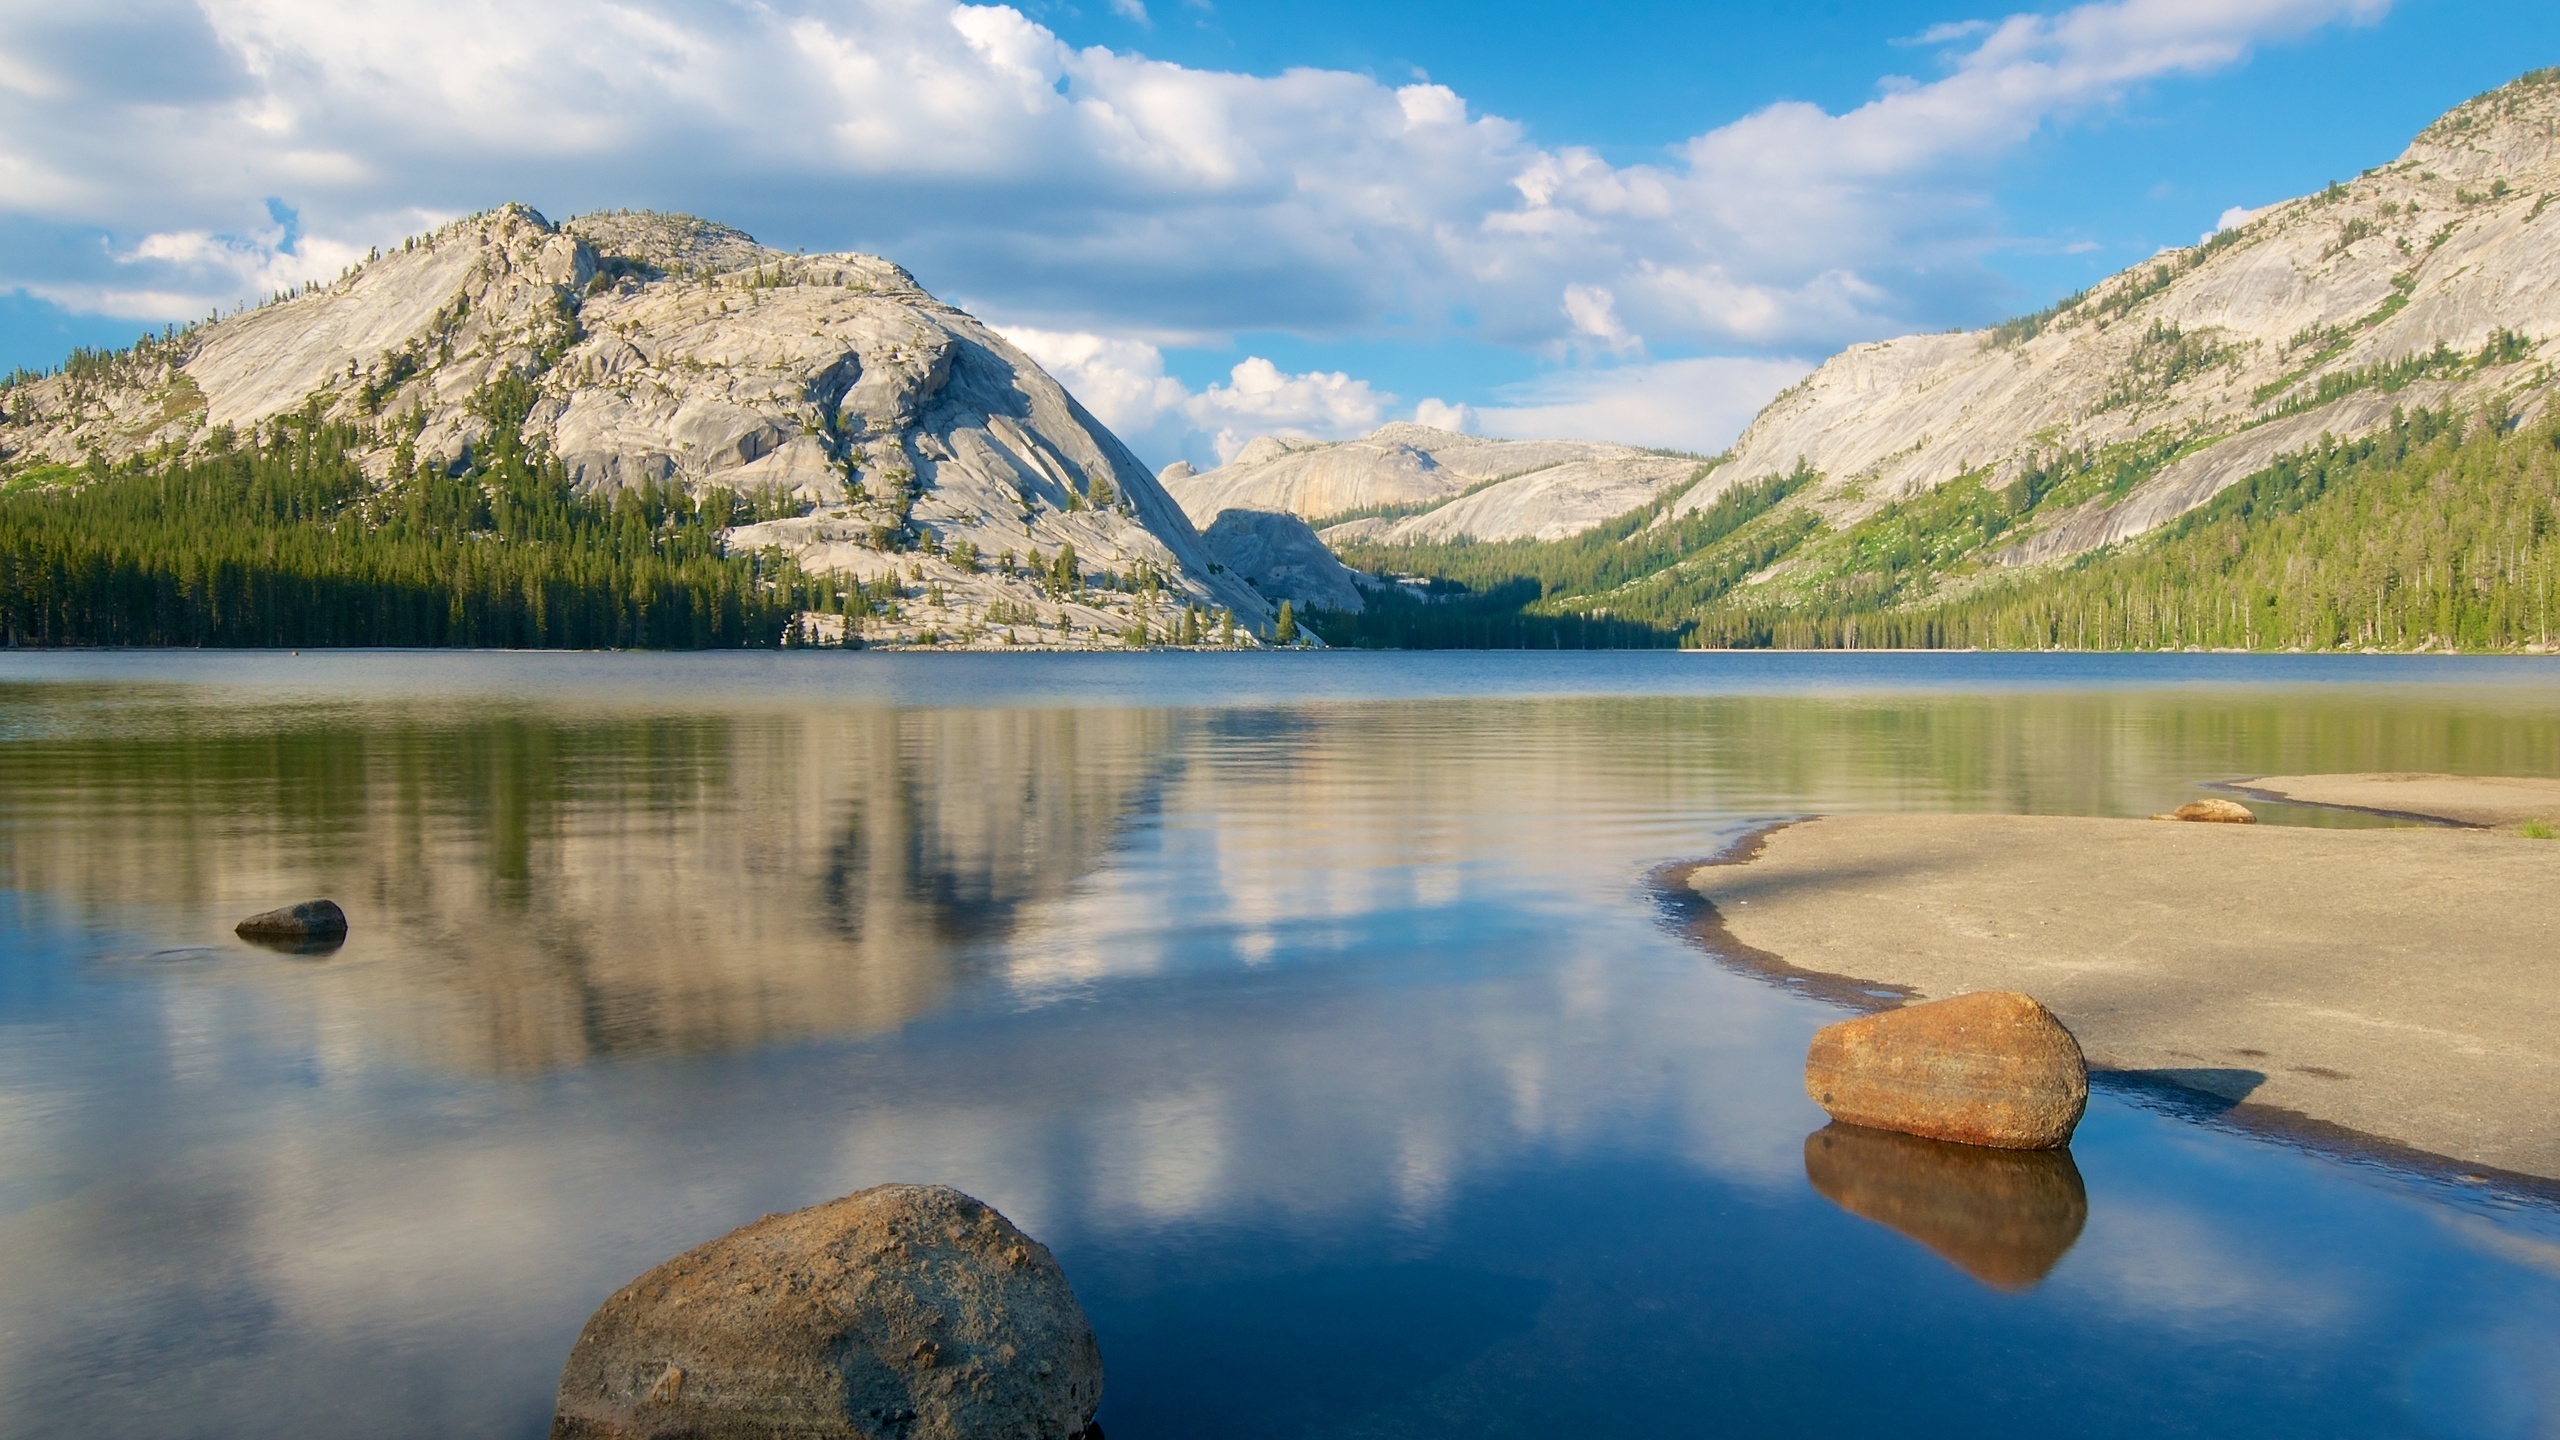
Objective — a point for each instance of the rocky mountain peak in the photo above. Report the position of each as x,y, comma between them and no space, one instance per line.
879,431
2432,280
667,243
2513,128
1418,436
1262,449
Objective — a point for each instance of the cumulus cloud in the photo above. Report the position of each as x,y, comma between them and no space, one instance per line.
1697,404
1076,189
270,261
1260,400
1441,415
1123,383
1594,313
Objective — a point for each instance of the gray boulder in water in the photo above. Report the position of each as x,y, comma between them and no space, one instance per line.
310,920
907,1311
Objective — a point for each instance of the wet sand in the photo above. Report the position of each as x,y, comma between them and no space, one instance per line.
2485,801
2399,983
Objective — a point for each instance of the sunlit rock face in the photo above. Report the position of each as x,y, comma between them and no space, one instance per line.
2218,352
1989,1068
526,896
889,426
1434,484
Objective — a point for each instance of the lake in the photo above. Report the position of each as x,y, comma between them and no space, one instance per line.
1324,1014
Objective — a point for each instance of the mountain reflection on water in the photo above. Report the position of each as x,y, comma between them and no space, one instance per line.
532,891
1337,1049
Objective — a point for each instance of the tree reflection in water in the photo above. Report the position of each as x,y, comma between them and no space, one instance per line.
531,891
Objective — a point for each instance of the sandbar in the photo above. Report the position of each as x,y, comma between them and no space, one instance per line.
2403,984
2485,801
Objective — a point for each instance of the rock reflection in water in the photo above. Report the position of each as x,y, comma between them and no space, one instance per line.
308,947
2004,1217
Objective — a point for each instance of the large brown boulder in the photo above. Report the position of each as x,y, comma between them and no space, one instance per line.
903,1312
1991,1068
2004,1217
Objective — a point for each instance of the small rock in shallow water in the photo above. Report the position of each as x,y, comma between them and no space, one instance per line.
1992,1068
310,920
2213,810
911,1311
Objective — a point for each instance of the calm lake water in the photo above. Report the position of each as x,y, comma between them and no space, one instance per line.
1316,1010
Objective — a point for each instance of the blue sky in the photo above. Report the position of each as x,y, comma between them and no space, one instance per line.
1225,218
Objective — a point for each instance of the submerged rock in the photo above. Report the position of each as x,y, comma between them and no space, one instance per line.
1991,1068
310,920
2213,810
907,1311
2004,1217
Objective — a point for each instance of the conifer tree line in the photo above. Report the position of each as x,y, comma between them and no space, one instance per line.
2436,532
2439,530
278,538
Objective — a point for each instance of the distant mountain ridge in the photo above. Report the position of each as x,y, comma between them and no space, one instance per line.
888,437
1404,483
2327,426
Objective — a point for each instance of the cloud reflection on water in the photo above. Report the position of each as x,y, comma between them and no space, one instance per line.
1210,990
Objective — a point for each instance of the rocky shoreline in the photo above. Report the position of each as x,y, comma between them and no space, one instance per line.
2393,984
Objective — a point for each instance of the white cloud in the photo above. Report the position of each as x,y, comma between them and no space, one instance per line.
1441,415
1258,399
1123,383
1594,313
1078,189
1695,404
1699,404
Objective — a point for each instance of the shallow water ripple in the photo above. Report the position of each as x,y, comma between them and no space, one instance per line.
1318,1016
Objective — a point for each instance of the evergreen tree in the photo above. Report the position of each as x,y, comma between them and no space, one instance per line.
1285,630
283,541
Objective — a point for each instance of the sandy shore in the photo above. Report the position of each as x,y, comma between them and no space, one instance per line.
2403,984
2489,802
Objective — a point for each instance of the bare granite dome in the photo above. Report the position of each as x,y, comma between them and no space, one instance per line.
1435,484
2315,316
673,350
